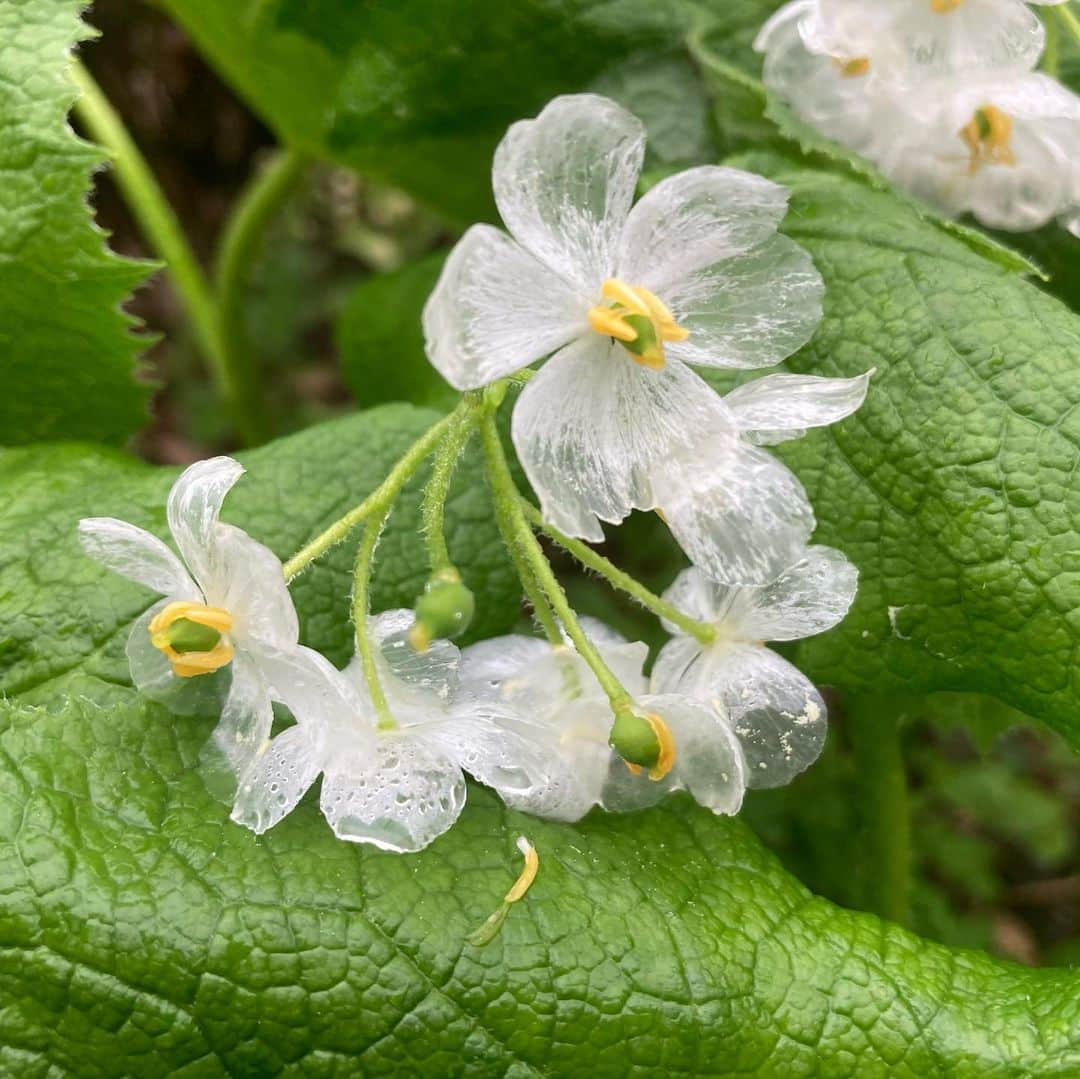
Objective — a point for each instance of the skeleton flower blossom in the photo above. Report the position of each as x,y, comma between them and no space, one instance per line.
909,40
777,714
516,679
400,787
625,300
225,606
1004,148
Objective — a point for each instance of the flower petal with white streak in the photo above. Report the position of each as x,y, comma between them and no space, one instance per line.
276,780
193,508
138,555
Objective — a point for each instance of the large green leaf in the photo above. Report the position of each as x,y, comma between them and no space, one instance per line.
66,349
419,91
144,934
65,616
953,488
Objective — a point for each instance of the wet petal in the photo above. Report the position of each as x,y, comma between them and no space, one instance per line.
247,715
136,554
695,219
497,309
277,779
404,798
316,692
777,408
593,427
433,672
193,508
749,311
564,183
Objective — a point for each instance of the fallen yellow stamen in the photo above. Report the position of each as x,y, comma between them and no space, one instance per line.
488,931
665,761
852,69
630,304
192,664
987,135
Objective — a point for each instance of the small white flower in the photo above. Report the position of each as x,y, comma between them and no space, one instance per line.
227,607
774,709
908,40
397,788
1004,149
839,95
518,679
625,299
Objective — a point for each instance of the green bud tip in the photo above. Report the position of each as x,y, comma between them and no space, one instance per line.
185,636
445,609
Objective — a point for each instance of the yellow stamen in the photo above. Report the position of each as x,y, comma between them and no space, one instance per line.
987,136
488,931
192,664
666,760
854,68
636,302
943,7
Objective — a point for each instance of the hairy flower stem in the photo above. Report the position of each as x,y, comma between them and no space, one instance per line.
433,509
1068,18
361,603
382,497
1052,55
874,729
166,238
617,578
520,539
238,248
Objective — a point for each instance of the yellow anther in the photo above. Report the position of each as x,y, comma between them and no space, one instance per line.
943,7
489,930
191,664
528,872
637,318
854,68
987,136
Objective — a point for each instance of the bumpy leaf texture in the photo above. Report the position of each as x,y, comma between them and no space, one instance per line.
67,354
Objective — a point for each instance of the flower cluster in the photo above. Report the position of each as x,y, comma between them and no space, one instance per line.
620,301
942,95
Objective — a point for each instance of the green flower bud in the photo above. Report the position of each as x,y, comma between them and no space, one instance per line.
445,609
634,739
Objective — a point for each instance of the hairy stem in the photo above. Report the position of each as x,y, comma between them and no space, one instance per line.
1068,18
165,237
874,726
361,603
1052,56
519,537
239,246
700,631
381,498
433,509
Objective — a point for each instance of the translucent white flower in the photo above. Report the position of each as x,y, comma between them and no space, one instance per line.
626,299
839,95
397,788
224,605
774,709
517,679
1003,149
908,40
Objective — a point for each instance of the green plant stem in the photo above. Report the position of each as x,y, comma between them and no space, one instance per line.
381,498
361,603
433,508
874,726
164,235
239,246
519,538
700,631
1065,13
1051,63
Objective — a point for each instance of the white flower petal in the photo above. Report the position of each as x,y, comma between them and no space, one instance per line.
741,516
751,310
774,709
564,183
678,664
247,715
193,508
695,219
319,696
152,675
593,426
497,309
486,665
404,798
708,763
245,577
432,673
812,596
277,779
136,554
778,408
